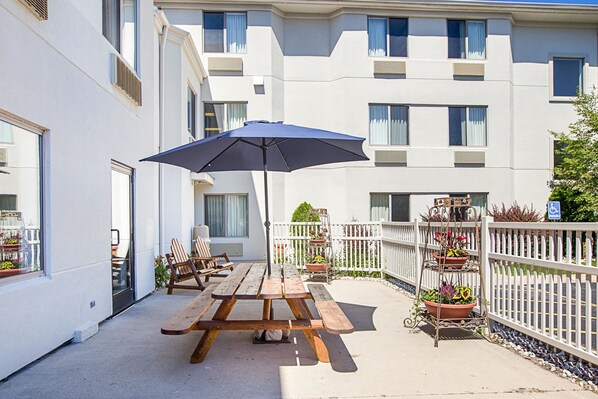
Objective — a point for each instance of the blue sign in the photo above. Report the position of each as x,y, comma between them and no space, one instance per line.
554,210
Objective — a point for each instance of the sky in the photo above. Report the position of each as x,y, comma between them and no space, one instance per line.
585,2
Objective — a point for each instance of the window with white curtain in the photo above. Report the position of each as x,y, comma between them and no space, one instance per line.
225,32
387,33
389,124
389,207
466,39
222,117
226,215
119,26
467,126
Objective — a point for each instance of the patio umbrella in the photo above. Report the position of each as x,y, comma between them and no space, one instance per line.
267,146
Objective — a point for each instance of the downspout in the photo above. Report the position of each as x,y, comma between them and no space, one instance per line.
161,129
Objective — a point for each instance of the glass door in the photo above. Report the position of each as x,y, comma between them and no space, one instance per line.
123,291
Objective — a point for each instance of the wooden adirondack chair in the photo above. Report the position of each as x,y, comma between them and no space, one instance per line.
209,261
182,268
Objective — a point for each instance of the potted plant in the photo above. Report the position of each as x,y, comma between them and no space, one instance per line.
8,268
11,243
454,301
317,236
452,249
316,262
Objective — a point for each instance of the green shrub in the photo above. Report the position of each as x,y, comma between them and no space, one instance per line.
305,213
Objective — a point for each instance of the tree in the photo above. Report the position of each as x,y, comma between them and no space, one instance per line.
575,180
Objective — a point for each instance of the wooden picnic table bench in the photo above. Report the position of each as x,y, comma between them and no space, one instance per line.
249,281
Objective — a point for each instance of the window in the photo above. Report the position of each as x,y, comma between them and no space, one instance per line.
20,204
467,126
558,147
389,207
396,39
226,215
479,201
219,26
389,125
222,117
567,76
119,26
6,135
191,107
467,39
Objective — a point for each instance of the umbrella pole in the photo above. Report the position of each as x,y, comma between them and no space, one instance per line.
267,223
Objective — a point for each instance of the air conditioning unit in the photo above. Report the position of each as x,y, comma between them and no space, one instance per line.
3,156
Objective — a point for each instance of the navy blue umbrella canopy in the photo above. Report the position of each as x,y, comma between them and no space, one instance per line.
288,147
267,146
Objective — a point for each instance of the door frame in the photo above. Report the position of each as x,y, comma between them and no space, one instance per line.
124,299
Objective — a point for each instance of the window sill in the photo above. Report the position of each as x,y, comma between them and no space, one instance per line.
561,99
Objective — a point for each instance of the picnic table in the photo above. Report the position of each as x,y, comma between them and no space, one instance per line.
249,281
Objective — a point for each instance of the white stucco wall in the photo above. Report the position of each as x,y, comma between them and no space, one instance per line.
56,74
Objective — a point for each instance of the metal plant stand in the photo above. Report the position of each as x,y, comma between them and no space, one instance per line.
324,247
447,217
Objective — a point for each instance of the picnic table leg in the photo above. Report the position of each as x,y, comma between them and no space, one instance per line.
208,337
267,308
301,311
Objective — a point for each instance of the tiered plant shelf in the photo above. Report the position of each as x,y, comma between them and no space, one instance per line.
450,303
319,248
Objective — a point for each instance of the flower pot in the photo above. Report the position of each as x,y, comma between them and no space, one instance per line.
316,242
10,247
452,262
450,311
317,267
12,272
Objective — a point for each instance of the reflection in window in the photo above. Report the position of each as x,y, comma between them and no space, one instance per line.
567,76
20,203
222,117
119,21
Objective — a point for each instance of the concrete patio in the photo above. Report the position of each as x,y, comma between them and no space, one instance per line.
129,358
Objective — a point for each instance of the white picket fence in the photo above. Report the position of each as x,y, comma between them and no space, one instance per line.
540,278
355,247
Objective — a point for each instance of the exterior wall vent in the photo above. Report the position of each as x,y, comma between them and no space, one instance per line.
470,158
390,158
468,69
3,157
390,68
231,249
225,64
126,80
38,7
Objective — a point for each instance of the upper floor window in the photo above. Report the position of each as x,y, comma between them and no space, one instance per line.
466,39
225,30
222,117
20,203
467,126
119,26
387,36
191,111
567,76
389,125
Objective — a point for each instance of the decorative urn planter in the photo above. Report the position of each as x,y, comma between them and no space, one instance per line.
450,311
452,262
317,267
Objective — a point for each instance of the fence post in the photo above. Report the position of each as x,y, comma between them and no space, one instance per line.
485,265
381,259
418,269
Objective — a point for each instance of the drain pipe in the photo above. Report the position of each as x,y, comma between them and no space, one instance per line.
161,50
